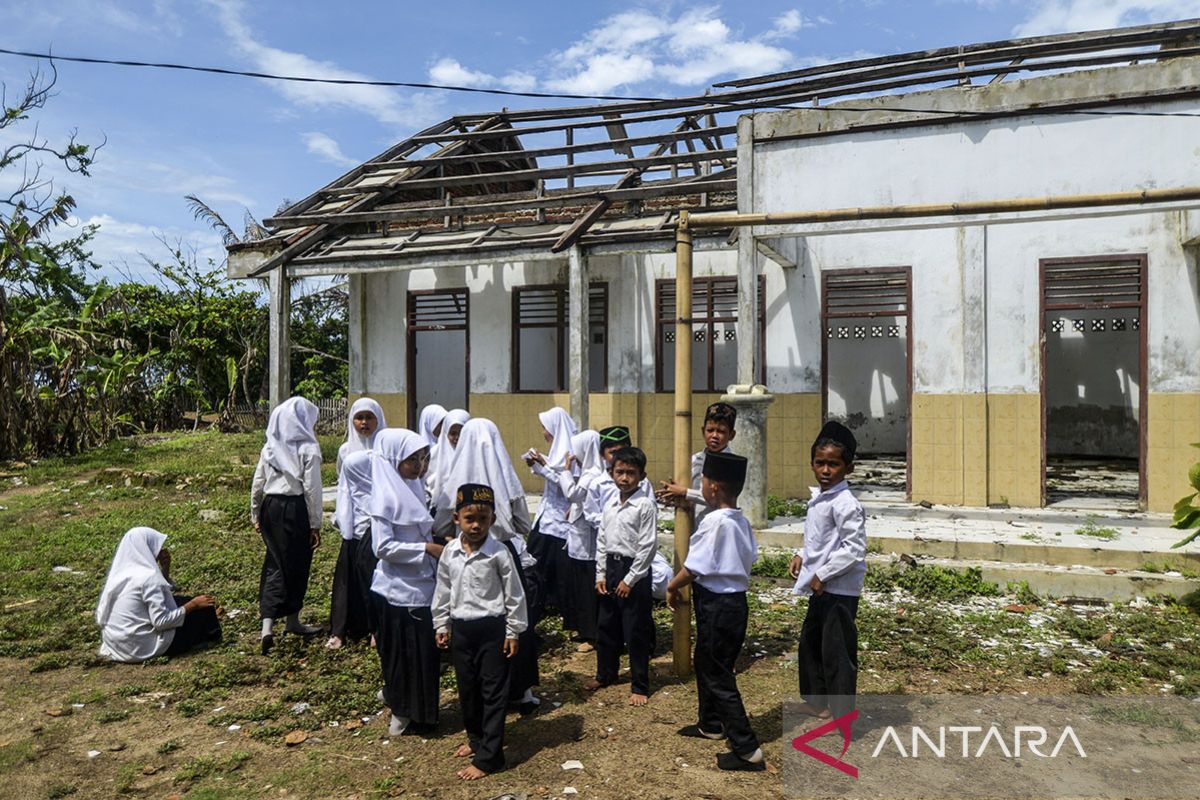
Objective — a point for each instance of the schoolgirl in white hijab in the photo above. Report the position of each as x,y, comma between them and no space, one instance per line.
441,457
481,457
431,419
138,616
364,420
578,602
348,610
286,509
404,578
548,542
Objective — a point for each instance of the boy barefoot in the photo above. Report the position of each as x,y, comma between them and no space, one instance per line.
625,547
478,613
831,570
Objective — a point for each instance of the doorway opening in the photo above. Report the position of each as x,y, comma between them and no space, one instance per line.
866,371
437,344
1094,382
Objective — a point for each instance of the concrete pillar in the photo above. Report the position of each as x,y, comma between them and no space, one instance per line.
577,335
752,402
279,349
748,334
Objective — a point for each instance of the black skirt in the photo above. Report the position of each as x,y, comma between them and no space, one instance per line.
410,662
523,671
288,558
364,568
200,627
581,598
348,604
552,568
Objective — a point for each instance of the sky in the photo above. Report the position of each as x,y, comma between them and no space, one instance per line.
247,145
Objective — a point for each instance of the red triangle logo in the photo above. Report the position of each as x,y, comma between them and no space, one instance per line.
842,724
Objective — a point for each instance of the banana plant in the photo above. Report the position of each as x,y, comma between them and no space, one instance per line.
1187,513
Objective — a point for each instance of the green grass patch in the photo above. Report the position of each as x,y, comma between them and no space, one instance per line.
785,507
772,565
205,766
932,582
1093,530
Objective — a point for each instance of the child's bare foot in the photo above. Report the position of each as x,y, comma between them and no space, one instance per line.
334,643
813,711
595,684
471,773
636,699
464,751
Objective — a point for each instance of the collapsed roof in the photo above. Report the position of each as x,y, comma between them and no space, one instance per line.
507,182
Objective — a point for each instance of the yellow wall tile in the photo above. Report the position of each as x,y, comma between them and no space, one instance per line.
1173,421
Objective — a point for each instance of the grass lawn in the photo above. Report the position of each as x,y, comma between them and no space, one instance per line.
213,724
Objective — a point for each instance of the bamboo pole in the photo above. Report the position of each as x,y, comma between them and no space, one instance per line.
683,433
1050,203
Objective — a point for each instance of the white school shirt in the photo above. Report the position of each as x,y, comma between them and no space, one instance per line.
721,551
477,585
141,624
268,480
552,512
835,543
628,529
699,507
406,574
603,491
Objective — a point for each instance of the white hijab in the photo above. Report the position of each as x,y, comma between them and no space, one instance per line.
290,428
442,456
432,415
353,491
395,499
560,426
586,447
481,457
355,442
134,564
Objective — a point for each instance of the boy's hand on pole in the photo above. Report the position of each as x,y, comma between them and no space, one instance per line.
673,598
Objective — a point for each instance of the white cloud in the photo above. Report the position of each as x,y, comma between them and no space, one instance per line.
380,102
122,247
1064,16
327,149
449,72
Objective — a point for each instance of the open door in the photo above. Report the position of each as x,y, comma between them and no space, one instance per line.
1093,314
439,350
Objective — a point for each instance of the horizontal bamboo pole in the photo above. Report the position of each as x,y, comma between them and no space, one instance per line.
1142,197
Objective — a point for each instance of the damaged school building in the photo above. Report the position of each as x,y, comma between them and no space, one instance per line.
509,261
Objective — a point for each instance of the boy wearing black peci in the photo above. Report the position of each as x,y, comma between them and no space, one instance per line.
720,554
831,570
478,613
625,547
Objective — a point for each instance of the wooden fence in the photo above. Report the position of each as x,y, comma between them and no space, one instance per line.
331,419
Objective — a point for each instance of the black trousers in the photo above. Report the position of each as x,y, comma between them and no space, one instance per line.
582,588
288,559
199,627
720,633
482,672
348,604
364,569
625,622
523,673
828,653
410,662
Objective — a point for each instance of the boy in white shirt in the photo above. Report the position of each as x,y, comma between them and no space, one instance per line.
478,613
718,431
720,554
625,547
831,570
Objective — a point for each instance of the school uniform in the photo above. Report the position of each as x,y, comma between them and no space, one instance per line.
720,554
694,495
548,541
835,550
625,547
479,602
356,443
579,597
139,617
441,459
285,501
349,610
482,458
404,581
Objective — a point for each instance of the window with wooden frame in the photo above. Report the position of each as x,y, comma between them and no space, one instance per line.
539,338
714,333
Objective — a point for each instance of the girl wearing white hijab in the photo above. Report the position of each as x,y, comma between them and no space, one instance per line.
579,602
481,457
348,612
441,457
548,542
365,418
138,616
285,507
430,423
404,579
